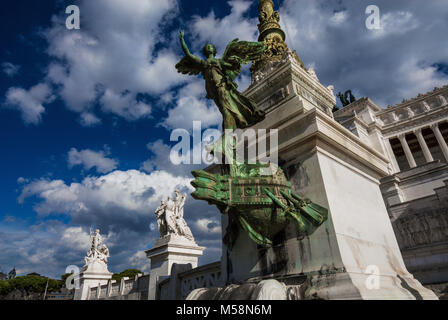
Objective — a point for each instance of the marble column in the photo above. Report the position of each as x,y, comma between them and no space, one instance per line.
440,140
407,151
393,158
423,145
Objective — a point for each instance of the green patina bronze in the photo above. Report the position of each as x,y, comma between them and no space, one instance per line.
262,205
237,110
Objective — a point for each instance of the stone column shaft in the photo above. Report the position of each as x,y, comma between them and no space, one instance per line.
423,145
392,156
440,140
407,151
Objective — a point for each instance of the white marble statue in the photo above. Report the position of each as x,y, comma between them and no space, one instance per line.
98,250
170,217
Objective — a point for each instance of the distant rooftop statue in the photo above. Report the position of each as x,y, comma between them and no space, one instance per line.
346,98
170,217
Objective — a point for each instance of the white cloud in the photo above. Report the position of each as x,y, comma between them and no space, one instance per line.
236,25
117,195
140,261
10,69
125,105
208,226
161,160
386,65
112,58
43,247
89,159
339,17
191,105
88,119
21,180
76,237
396,23
30,102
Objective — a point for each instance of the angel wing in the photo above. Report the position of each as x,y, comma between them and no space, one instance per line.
189,65
239,53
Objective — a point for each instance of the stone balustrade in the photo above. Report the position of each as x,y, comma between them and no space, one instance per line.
123,290
183,283
409,109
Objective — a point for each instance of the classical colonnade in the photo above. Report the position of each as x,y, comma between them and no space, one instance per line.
423,145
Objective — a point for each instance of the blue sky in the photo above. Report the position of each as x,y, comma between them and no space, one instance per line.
86,115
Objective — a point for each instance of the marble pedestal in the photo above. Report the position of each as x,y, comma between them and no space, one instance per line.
354,254
166,252
92,275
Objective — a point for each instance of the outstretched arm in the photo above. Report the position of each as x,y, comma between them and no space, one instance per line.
185,48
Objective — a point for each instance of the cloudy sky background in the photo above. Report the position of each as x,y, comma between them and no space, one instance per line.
86,115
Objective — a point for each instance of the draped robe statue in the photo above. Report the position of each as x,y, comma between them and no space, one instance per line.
170,217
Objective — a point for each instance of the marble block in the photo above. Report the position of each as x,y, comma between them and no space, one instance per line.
167,251
354,254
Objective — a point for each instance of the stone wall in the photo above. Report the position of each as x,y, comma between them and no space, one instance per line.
421,227
181,283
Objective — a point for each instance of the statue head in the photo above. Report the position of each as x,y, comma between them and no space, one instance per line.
209,49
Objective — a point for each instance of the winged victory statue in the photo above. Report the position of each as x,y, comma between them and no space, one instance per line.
238,111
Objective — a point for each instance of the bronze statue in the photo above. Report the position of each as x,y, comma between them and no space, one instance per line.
237,110
346,98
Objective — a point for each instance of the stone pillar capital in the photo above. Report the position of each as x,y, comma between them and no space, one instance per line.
434,126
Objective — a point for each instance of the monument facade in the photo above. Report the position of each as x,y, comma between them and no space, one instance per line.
325,223
413,136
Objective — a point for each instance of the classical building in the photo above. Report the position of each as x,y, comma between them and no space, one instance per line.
381,173
413,135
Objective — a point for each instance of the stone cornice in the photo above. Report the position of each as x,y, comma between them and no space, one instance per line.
419,121
319,126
